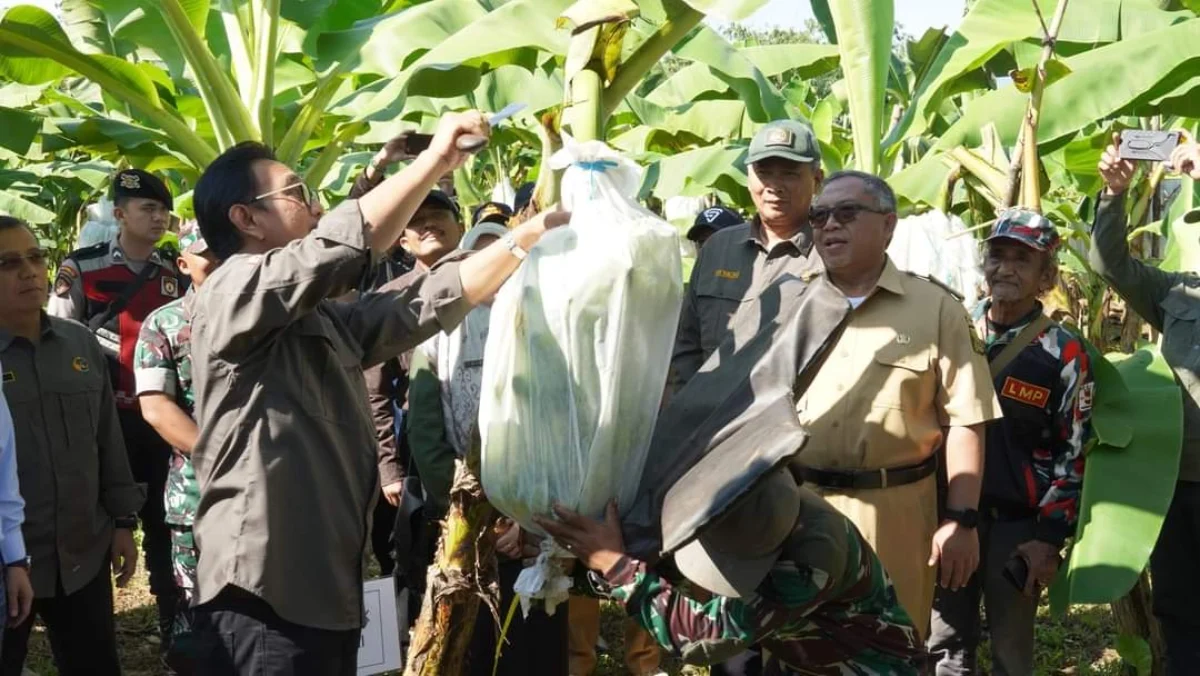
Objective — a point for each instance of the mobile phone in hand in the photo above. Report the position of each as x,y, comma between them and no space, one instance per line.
1016,571
1151,146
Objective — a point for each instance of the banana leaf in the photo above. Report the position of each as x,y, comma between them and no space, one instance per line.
1137,421
864,31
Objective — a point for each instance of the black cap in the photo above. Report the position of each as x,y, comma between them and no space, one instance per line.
492,212
439,199
523,197
138,183
716,218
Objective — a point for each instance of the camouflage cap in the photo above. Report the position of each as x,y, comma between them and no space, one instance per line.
786,139
190,239
1027,227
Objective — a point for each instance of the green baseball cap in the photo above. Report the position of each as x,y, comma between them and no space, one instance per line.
786,139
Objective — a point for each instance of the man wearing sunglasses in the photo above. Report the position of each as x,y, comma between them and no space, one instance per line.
908,366
738,263
283,456
111,287
72,470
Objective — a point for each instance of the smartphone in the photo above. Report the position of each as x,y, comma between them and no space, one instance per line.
1016,571
414,143
1151,146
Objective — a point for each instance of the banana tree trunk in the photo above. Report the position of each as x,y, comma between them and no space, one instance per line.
1133,615
461,578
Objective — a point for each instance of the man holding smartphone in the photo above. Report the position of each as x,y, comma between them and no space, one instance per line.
1033,467
1170,302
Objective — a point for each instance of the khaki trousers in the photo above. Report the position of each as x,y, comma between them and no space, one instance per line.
641,651
899,522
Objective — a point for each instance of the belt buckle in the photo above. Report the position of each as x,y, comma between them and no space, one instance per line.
839,478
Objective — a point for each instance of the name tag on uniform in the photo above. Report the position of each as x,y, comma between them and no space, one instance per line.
1026,393
727,274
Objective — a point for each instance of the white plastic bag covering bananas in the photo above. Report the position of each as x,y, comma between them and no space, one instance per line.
577,354
939,246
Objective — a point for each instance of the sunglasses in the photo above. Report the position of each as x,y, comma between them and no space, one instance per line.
306,196
12,263
843,213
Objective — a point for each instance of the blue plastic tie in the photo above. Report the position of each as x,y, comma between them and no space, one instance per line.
596,166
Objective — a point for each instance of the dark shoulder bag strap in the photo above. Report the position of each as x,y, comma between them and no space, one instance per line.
114,308
1010,351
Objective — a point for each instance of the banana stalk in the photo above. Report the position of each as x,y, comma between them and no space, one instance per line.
463,576
1024,167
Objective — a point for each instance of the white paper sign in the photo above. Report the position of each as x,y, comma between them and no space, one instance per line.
379,645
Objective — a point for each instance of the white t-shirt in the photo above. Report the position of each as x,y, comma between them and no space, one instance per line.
855,301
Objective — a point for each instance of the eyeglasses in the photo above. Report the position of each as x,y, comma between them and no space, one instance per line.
12,262
306,196
842,213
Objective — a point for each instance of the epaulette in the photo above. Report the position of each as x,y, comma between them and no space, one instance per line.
939,283
169,250
88,252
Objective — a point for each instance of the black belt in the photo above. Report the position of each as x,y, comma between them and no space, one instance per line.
850,479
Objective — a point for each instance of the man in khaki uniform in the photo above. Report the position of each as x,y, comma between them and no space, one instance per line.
906,376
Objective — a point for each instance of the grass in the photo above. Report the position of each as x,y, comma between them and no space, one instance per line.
1077,645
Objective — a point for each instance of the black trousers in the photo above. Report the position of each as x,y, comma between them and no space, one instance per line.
82,631
1173,566
243,635
537,644
149,460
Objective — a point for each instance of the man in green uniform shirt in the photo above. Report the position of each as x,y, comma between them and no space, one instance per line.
162,367
1170,302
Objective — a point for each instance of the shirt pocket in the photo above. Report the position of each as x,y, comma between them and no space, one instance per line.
73,398
1181,330
901,376
719,302
326,360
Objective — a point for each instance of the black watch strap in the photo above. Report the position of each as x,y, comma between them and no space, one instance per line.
126,522
967,518
19,563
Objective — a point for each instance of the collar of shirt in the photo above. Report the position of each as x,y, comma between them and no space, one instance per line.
987,329
118,254
801,241
7,338
891,280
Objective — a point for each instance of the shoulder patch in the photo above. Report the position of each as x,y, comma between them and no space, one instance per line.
938,283
1026,393
64,280
94,251
1087,394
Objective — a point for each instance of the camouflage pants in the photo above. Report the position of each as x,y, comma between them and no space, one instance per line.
183,562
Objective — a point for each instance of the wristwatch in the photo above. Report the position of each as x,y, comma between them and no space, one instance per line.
127,522
967,518
515,249
19,563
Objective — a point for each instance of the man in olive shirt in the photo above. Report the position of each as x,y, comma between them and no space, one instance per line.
1170,302
907,375
736,264
79,493
283,457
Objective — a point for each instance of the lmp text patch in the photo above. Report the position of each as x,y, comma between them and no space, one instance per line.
1024,392
727,274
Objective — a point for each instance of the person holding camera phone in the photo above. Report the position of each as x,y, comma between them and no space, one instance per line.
1033,469
1169,302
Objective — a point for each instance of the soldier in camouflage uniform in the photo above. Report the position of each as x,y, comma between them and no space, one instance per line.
782,569
163,369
